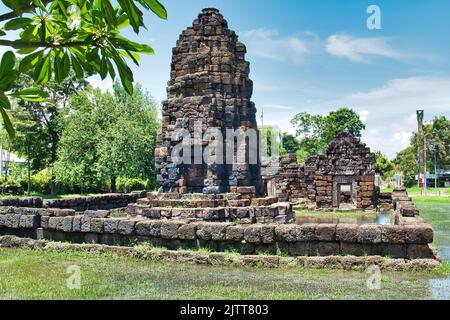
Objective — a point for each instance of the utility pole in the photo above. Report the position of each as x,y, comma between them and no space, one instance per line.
420,148
425,175
435,147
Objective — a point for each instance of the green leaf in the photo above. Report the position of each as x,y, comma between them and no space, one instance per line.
30,61
133,13
39,4
66,65
4,101
111,70
156,7
77,68
31,94
7,63
110,13
58,66
5,104
2,33
43,70
17,23
15,5
104,68
26,51
133,56
123,22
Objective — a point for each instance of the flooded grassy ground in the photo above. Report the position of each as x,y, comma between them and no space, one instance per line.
28,274
43,275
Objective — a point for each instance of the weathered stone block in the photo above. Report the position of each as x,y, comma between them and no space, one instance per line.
306,232
326,232
187,231
29,222
419,234
111,225
393,250
152,213
300,248
76,224
126,227
347,232
86,224
358,249
328,248
169,229
44,222
420,251
212,231
393,234
287,233
97,225
369,234
234,233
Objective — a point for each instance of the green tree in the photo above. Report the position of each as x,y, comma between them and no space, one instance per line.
107,136
75,165
57,36
406,163
290,143
436,134
126,145
383,165
316,132
37,123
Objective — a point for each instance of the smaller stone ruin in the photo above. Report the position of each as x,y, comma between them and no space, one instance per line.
343,177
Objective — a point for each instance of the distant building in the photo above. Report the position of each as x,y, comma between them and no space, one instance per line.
7,159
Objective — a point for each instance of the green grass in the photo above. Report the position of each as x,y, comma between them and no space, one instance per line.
42,275
26,274
333,214
416,191
47,196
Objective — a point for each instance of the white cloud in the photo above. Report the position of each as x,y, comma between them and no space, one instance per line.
268,44
360,49
363,115
97,82
277,106
391,110
402,137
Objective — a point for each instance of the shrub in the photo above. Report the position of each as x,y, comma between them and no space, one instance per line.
131,184
41,181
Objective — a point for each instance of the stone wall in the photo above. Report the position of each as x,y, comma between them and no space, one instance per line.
346,162
408,239
220,258
98,202
209,84
283,181
230,207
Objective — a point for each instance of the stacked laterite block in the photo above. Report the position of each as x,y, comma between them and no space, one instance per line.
209,84
346,162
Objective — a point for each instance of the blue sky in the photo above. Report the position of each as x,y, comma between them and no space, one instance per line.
316,56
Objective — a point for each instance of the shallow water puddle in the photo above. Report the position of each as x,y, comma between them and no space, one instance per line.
440,289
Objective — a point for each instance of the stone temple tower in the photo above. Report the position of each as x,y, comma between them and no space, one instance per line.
209,88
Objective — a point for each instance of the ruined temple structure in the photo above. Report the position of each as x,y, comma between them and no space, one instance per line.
343,177
210,85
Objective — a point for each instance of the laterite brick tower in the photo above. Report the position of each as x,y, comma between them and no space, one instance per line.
209,84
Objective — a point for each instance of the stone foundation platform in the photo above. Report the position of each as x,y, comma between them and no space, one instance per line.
227,259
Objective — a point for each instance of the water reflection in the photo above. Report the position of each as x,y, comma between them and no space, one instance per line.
381,218
440,289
